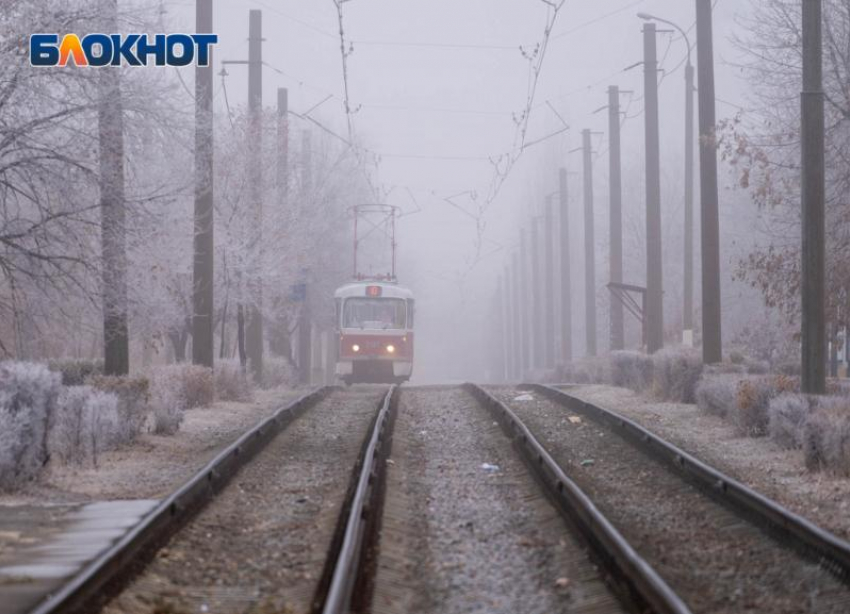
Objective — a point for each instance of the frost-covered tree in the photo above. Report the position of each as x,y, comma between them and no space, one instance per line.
763,145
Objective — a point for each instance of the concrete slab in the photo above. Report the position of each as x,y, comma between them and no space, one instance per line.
42,547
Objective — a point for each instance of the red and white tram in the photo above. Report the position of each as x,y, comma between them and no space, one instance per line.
375,332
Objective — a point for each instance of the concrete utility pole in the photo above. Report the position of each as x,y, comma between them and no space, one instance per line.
712,347
688,307
589,247
617,325
654,314
549,286
501,334
113,211
280,342
566,273
526,309
517,318
254,331
814,196
282,146
203,276
508,319
688,315
536,295
305,347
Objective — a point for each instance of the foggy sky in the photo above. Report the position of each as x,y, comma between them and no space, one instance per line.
420,105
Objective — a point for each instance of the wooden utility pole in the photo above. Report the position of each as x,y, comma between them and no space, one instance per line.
589,247
203,275
116,351
566,273
712,346
550,283
814,347
254,331
617,325
654,314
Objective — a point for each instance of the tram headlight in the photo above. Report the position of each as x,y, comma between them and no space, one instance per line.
355,348
391,349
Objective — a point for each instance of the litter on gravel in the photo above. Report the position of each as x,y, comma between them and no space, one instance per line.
524,397
490,468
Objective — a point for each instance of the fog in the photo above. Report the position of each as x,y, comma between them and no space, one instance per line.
460,115
435,88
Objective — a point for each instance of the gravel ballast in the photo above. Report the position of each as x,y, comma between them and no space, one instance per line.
466,529
717,562
759,462
261,545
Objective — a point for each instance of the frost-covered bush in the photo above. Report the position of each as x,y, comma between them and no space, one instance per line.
789,369
631,370
786,415
75,372
28,394
193,385
168,405
133,396
85,424
588,371
278,371
753,401
231,382
676,373
736,357
826,436
724,368
717,394
757,367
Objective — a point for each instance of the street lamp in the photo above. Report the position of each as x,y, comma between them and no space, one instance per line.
688,333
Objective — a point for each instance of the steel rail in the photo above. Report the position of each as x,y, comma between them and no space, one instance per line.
644,584
361,515
88,590
825,548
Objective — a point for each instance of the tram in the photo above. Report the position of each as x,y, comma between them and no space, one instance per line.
375,332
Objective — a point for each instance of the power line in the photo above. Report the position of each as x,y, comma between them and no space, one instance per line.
430,45
598,19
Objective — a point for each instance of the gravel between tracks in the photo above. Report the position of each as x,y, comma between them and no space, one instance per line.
715,561
260,546
459,537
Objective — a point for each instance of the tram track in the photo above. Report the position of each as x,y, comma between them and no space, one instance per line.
719,545
466,526
248,531
88,590
461,499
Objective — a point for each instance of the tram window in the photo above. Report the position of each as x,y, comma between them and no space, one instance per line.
374,313
410,312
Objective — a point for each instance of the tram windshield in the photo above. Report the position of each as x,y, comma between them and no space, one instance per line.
374,313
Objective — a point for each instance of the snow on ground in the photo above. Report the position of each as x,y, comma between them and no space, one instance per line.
757,462
154,465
